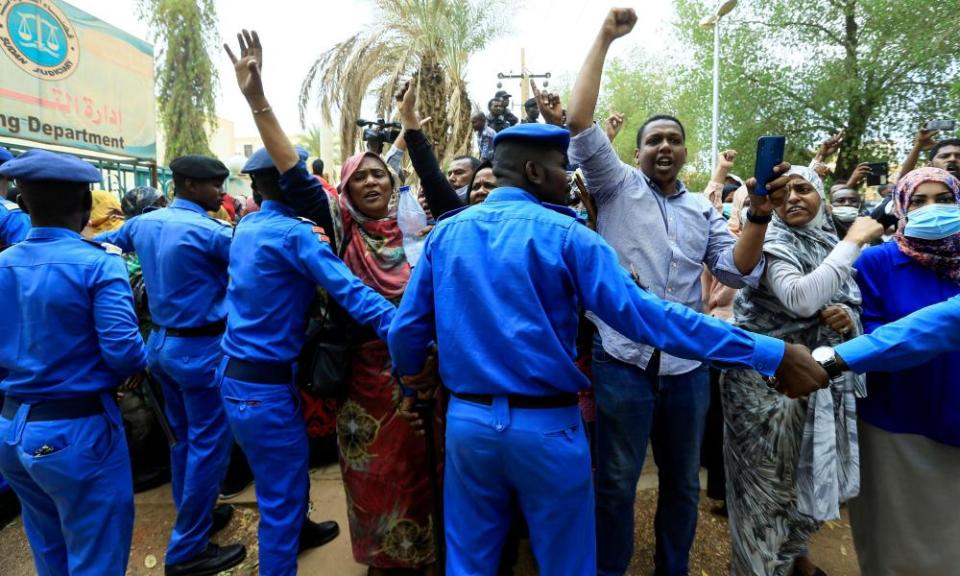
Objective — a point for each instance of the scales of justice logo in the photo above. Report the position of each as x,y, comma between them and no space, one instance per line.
39,38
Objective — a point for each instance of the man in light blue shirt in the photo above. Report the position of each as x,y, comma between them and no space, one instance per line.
503,280
668,235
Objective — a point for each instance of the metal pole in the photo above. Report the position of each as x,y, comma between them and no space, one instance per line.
716,92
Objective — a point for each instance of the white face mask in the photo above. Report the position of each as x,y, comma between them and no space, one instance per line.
743,215
845,214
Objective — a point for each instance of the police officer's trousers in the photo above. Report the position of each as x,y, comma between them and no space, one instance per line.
74,482
540,458
268,424
186,369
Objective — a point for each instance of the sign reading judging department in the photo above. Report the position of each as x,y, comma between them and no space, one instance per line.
70,79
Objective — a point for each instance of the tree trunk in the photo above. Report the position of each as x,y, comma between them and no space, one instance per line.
432,101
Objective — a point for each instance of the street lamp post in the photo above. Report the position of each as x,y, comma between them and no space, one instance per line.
714,20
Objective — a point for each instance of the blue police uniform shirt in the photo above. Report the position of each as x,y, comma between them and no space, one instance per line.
276,262
14,223
498,287
184,254
69,328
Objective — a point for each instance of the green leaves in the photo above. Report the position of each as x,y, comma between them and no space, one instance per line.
186,79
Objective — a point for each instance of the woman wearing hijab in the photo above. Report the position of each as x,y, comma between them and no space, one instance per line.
106,214
905,520
791,462
382,458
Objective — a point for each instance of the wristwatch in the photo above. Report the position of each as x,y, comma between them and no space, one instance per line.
758,219
826,357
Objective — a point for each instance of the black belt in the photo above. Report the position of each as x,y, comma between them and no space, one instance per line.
519,401
215,329
259,372
67,409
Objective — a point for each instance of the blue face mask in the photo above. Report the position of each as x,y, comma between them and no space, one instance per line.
727,209
933,222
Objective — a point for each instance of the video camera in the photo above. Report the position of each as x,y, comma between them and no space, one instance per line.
379,130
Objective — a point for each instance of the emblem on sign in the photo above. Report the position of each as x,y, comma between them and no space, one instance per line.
39,38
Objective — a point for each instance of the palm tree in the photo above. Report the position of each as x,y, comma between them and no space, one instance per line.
310,141
431,39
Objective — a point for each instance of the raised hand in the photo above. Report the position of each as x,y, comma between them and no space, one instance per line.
864,230
619,23
613,125
859,173
249,65
926,139
799,374
829,146
763,205
407,106
549,104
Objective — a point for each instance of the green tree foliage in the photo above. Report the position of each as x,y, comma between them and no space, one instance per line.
186,78
640,86
807,68
433,39
311,141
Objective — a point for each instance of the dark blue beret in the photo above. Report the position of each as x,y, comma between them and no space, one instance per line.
545,133
260,160
5,155
39,164
199,168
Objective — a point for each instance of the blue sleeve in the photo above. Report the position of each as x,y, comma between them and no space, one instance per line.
314,258
868,279
220,241
415,327
14,227
605,174
305,193
121,345
607,290
121,237
910,341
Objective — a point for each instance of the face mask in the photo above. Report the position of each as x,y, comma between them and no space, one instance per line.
845,213
743,215
727,209
933,222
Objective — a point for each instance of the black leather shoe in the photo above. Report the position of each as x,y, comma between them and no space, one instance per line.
314,534
221,518
213,560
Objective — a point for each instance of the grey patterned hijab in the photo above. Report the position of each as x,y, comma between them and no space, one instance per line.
805,248
828,469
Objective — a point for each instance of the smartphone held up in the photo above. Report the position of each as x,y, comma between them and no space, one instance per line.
769,155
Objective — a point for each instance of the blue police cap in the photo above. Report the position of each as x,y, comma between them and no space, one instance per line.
5,155
39,164
544,133
260,160
199,167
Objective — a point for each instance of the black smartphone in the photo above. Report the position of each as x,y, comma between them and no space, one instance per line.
942,125
879,171
769,154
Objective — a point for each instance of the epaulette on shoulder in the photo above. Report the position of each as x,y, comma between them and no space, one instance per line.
306,220
562,210
11,206
219,221
105,246
451,213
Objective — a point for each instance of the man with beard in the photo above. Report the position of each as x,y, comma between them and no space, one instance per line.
667,235
946,155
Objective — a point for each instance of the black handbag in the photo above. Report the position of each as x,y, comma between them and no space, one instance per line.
324,359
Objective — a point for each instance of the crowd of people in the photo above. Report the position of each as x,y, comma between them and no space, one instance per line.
568,309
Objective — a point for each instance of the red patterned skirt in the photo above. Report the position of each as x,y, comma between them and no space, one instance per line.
385,470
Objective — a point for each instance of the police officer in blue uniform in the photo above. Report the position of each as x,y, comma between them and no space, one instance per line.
184,254
70,337
276,262
503,279
14,222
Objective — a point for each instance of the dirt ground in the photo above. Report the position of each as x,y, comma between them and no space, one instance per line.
832,548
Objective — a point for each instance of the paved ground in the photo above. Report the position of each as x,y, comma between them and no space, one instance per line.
832,548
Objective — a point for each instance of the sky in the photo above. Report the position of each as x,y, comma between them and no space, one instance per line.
555,33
